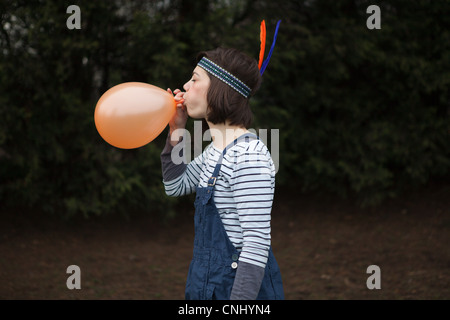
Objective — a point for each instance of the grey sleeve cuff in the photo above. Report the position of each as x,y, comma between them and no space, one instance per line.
171,170
247,282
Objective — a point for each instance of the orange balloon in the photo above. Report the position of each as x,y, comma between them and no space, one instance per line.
132,114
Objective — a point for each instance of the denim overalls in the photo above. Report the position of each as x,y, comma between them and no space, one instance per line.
215,259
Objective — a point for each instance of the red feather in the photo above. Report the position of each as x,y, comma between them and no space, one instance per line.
262,37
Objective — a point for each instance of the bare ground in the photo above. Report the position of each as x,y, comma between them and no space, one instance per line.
323,246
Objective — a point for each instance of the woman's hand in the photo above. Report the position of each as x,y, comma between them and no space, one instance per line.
180,117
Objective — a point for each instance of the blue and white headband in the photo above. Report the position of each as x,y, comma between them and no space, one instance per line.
225,76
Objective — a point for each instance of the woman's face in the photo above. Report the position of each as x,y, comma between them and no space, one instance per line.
195,96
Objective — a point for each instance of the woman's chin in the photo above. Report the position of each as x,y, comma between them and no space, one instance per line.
194,115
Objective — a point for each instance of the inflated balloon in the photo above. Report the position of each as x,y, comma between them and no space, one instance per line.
132,114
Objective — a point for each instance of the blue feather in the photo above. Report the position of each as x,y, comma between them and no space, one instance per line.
266,62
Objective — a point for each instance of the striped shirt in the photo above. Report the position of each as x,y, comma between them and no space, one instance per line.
243,194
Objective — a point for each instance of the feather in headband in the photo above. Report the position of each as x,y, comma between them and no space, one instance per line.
263,64
232,80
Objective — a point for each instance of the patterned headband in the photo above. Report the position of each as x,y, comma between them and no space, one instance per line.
225,76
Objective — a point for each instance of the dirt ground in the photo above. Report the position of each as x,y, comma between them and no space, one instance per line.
323,246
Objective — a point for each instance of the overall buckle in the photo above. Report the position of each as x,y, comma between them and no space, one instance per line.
211,184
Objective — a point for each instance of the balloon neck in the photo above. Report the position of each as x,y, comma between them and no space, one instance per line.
177,102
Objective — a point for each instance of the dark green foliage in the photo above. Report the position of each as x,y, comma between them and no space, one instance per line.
360,112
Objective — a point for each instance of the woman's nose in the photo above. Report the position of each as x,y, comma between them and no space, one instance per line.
187,86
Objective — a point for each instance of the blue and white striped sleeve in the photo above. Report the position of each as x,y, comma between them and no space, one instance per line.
253,184
179,179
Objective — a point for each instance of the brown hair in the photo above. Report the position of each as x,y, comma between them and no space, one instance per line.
225,103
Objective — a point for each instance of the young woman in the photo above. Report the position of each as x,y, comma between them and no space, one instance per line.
234,180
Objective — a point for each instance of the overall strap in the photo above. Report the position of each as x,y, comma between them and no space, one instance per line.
246,137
